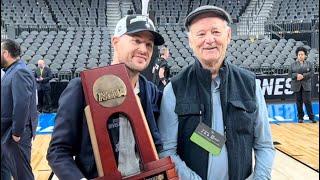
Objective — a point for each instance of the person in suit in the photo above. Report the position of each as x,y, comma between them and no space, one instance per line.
43,75
18,113
301,72
70,153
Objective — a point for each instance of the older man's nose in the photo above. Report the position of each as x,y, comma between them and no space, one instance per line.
210,38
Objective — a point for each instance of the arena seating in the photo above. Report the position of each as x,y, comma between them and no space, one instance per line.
294,15
30,14
174,12
73,35
67,52
303,10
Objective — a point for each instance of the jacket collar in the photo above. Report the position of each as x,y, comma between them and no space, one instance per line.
142,81
11,65
204,75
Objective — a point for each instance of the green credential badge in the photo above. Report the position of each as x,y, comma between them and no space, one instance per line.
208,139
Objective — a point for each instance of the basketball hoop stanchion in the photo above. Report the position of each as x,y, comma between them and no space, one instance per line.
108,91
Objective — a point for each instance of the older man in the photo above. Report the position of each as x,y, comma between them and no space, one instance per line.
133,42
43,75
213,113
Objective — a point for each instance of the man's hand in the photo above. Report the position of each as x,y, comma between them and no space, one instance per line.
39,79
161,73
16,138
299,77
161,76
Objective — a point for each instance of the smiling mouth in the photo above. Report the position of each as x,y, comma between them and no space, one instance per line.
209,49
141,58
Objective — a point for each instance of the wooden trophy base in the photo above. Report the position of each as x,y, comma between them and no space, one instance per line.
162,169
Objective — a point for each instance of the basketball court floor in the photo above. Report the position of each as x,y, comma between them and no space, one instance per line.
297,144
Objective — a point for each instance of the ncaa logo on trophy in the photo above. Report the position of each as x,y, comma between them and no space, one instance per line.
109,94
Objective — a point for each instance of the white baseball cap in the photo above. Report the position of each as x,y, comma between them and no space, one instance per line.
136,23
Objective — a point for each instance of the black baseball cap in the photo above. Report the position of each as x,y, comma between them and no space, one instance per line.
219,12
136,23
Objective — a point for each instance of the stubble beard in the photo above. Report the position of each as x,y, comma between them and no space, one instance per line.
4,62
132,70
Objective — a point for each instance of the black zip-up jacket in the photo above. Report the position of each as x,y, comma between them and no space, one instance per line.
192,88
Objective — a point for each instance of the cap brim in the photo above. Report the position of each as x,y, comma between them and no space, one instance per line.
157,38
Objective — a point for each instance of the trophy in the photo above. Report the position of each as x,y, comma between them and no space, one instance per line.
108,91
